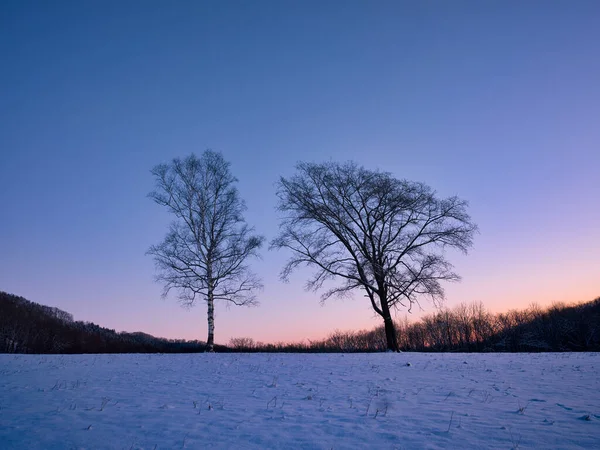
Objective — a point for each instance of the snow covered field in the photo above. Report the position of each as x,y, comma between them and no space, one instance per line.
300,401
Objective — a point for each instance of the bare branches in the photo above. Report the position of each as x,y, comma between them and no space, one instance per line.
205,252
370,231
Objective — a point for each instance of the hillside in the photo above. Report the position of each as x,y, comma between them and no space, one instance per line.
28,327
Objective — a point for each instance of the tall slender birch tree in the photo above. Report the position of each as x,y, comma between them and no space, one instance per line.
204,255
371,232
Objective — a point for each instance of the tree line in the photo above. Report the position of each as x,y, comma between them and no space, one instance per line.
28,327
466,328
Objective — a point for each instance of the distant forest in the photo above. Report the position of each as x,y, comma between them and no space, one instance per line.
28,327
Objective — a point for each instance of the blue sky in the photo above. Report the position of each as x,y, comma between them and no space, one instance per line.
498,102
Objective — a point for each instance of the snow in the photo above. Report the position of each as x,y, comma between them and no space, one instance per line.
300,400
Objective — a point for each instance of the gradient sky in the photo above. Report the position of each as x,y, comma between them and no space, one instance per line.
497,102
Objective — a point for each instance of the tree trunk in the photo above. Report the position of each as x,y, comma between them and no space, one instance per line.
390,334
390,329
210,342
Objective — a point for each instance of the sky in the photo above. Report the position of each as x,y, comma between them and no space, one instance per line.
497,102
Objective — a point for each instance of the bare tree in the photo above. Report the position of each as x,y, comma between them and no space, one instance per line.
205,252
371,231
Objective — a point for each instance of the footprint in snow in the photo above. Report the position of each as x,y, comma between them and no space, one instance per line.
564,407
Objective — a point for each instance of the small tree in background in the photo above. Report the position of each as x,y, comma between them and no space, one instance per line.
371,231
204,255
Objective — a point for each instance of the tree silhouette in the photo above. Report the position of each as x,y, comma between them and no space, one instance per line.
370,231
204,255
